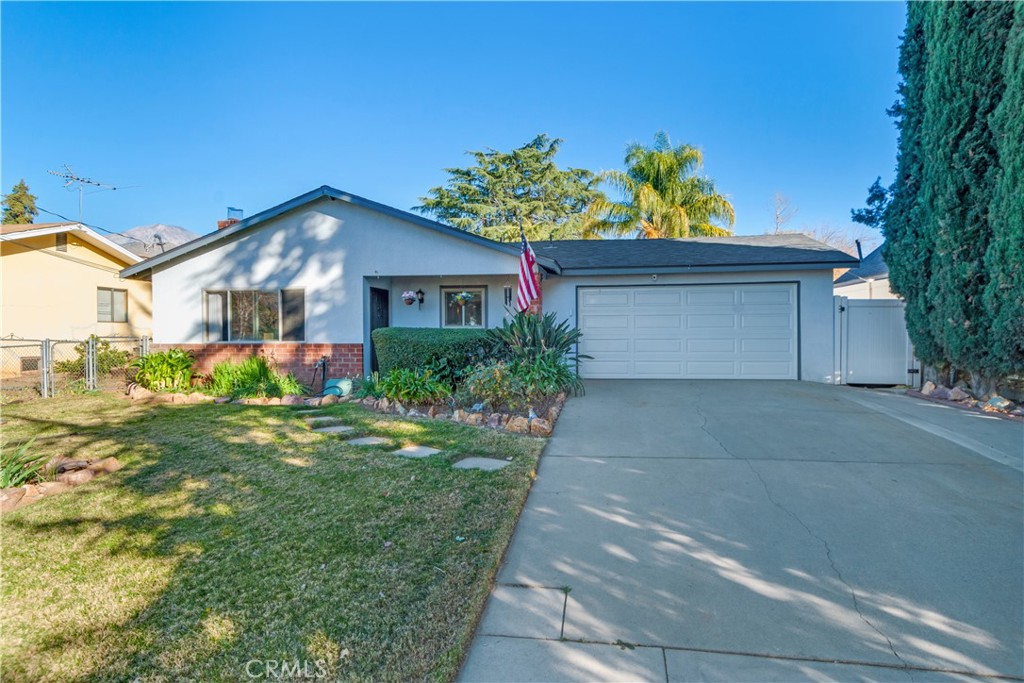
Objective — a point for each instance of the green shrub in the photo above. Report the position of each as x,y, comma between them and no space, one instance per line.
365,387
107,359
526,337
414,387
169,370
498,386
546,375
416,348
252,378
19,467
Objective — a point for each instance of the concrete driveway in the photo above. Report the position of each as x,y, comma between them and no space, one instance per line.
763,531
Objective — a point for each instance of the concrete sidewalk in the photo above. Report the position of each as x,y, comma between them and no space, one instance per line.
762,531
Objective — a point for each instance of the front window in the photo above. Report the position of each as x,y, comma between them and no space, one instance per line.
464,306
111,305
253,315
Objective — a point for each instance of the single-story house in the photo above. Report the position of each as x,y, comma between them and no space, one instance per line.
63,281
316,274
870,280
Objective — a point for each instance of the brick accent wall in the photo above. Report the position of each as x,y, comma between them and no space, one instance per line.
296,358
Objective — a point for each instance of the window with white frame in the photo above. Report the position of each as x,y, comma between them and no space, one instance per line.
254,315
464,306
111,305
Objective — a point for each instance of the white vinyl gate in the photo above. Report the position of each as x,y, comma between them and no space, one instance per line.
872,343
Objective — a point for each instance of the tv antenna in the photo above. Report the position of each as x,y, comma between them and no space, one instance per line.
74,181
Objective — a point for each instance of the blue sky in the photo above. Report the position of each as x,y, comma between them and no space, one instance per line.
205,106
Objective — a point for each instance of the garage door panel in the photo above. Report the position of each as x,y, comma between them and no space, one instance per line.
711,345
697,331
713,320
710,297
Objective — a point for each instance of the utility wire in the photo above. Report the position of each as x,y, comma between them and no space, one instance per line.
94,227
43,250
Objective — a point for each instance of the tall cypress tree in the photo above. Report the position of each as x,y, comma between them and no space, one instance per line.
20,205
908,244
1004,294
963,85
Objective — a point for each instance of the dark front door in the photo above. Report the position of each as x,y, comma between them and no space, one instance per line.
379,317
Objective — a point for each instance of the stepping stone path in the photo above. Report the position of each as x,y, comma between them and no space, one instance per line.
485,464
368,441
320,419
333,429
416,451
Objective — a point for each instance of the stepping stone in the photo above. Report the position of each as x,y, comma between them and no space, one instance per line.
416,451
485,464
333,429
320,419
368,441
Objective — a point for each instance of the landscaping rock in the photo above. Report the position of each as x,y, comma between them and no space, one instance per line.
384,404
77,477
958,394
940,392
540,427
459,415
1000,403
329,400
53,463
432,411
485,464
200,398
48,488
275,401
496,420
71,466
927,388
518,425
553,413
312,402
9,498
140,393
221,400
416,451
291,400
106,465
475,419
400,409
414,413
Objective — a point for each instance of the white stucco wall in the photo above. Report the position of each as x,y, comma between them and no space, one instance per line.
815,291
327,248
429,315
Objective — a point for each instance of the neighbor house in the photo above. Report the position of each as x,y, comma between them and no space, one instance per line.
870,280
316,274
63,281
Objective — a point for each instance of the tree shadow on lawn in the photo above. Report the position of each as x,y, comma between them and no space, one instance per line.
236,534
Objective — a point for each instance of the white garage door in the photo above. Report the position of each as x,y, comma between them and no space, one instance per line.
692,331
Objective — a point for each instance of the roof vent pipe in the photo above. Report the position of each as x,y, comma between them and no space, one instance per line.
860,254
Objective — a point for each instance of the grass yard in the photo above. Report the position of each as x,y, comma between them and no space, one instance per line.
235,534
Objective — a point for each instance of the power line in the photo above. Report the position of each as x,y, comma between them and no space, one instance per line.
67,257
94,227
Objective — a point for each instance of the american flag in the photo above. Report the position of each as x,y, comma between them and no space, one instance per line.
528,289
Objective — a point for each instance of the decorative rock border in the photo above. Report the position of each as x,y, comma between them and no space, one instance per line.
958,397
517,424
68,474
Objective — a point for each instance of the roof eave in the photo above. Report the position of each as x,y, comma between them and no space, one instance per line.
713,268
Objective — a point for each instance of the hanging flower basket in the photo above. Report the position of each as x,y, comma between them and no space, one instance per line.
462,298
409,297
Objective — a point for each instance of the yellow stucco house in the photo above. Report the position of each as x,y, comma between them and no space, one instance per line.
61,281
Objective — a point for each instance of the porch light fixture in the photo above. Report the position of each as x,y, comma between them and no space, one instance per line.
419,296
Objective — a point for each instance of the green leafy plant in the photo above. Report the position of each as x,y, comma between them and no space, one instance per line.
546,375
496,385
19,466
413,386
169,370
252,378
369,386
525,336
415,348
108,359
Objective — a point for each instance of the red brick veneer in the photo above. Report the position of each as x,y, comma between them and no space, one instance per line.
297,358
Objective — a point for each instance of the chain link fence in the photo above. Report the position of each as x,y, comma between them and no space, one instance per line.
54,367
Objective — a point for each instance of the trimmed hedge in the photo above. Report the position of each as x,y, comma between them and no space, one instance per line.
414,348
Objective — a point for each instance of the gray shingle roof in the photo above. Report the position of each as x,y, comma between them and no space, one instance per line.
700,252
872,267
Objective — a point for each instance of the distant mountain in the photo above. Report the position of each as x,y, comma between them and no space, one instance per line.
152,240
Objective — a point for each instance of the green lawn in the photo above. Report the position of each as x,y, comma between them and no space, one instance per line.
234,534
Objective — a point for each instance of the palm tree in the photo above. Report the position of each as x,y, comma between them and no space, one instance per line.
663,196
